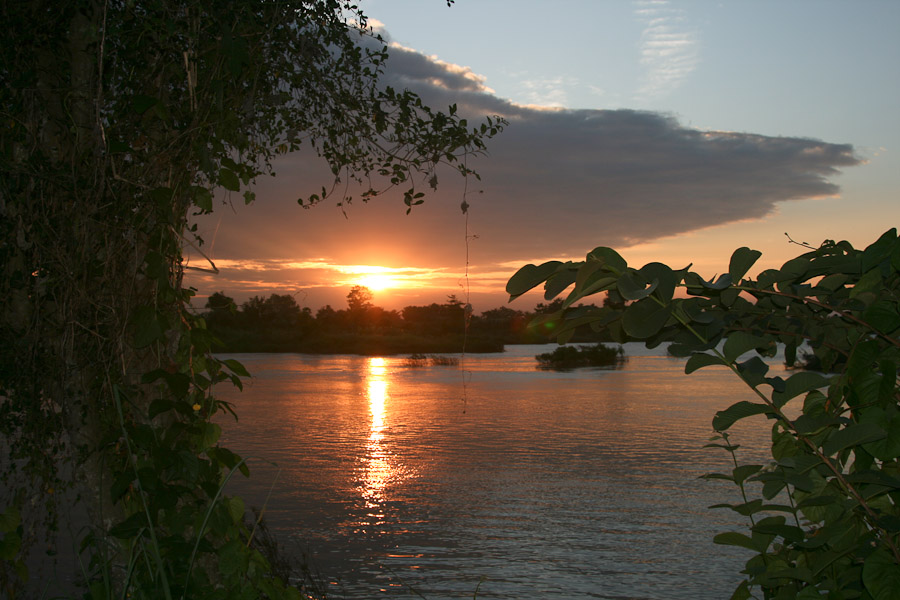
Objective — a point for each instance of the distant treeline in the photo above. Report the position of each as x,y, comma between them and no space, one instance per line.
277,324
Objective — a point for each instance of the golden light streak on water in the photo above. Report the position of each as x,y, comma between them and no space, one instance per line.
379,470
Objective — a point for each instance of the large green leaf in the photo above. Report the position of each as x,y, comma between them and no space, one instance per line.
854,434
880,250
799,383
529,277
741,261
740,342
645,318
665,279
889,447
740,410
609,257
632,286
698,360
129,527
558,281
881,575
732,538
883,316
229,180
147,326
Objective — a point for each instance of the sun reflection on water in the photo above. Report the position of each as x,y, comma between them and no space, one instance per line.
379,469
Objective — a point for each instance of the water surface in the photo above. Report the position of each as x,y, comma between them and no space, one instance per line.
493,474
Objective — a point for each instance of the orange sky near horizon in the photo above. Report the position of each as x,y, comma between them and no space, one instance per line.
679,156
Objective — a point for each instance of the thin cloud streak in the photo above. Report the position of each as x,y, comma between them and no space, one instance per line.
669,53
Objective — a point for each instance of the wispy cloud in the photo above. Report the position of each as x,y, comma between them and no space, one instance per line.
669,50
549,93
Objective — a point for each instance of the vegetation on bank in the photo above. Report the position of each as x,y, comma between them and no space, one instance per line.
571,357
121,120
277,324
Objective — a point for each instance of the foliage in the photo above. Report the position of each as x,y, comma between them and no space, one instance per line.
117,120
826,521
570,357
359,298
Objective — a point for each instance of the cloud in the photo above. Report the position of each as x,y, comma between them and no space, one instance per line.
669,52
558,182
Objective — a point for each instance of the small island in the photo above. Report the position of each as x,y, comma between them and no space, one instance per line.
570,357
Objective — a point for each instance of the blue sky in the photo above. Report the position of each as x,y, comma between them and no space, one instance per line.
671,130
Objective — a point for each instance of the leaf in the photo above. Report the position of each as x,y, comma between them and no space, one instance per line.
645,318
631,286
10,519
558,282
158,407
881,575
742,472
742,592
753,371
608,258
188,465
698,360
210,435
202,198
880,250
740,342
732,538
799,383
792,533
591,286
229,180
178,383
530,276
147,328
889,447
741,261
870,282
236,509
740,410
121,484
664,277
129,527
236,367
854,434
883,316
10,544
724,281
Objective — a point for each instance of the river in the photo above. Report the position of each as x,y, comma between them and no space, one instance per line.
493,478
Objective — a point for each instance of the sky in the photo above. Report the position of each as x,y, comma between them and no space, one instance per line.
670,130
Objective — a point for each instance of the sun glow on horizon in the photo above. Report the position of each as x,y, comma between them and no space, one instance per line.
378,278
378,282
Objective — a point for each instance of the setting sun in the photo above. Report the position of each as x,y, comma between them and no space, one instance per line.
377,282
378,278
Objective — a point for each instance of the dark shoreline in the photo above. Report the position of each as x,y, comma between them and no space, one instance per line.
365,345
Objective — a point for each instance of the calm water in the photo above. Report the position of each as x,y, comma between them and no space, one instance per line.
494,475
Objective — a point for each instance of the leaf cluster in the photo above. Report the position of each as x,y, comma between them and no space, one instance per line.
827,523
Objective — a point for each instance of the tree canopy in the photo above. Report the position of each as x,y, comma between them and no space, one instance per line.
118,119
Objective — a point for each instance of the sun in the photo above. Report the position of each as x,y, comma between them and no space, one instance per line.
377,281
